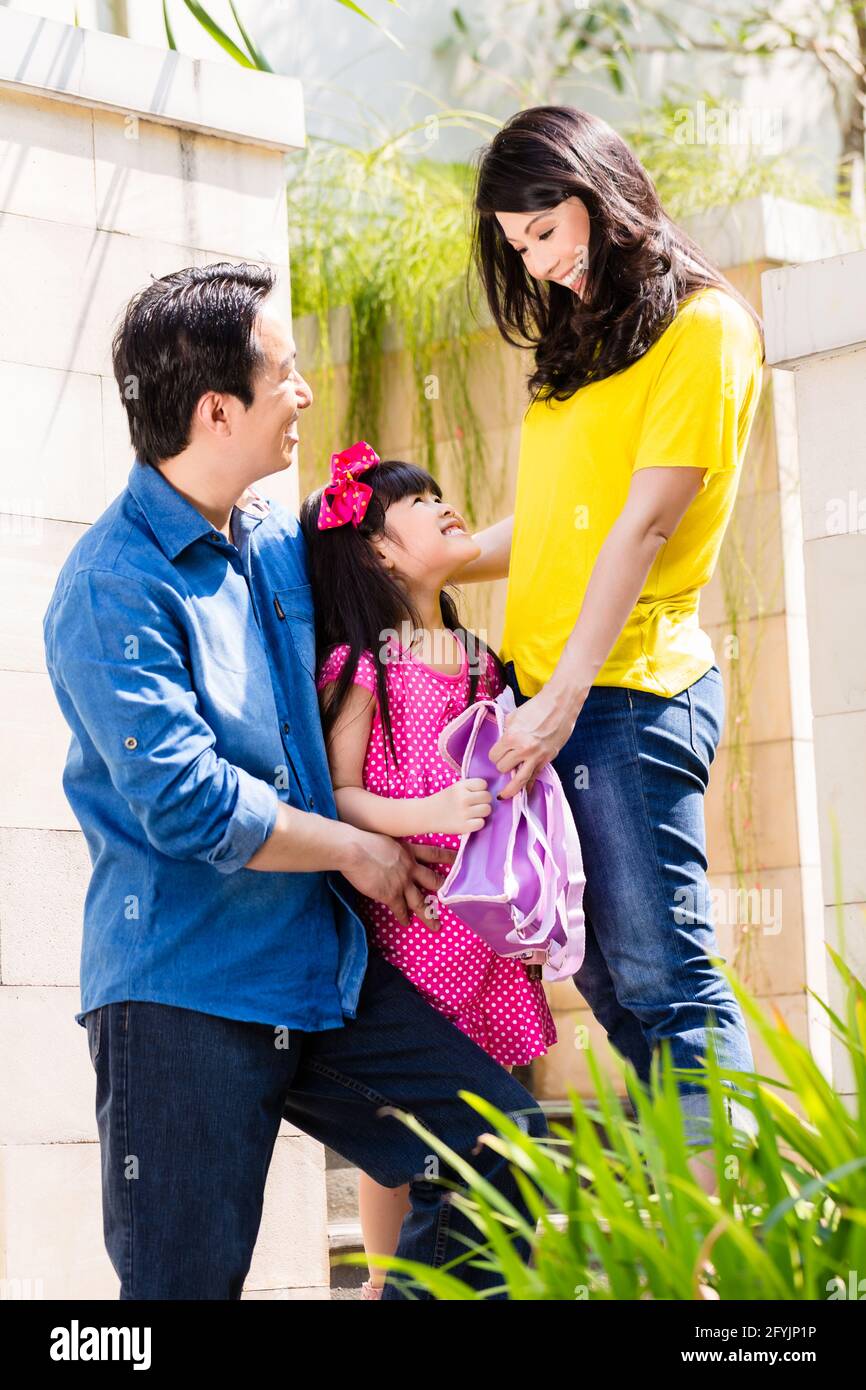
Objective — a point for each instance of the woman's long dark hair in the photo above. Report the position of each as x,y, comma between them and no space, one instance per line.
641,264
358,601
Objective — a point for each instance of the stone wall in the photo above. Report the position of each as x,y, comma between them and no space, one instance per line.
117,163
816,339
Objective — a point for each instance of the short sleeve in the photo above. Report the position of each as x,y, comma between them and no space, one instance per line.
365,673
495,683
706,386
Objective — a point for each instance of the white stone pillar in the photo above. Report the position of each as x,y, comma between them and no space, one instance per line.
117,162
815,315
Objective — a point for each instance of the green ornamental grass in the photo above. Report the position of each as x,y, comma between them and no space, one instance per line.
618,1214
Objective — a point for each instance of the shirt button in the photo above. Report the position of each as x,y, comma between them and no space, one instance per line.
285,728
130,742
312,803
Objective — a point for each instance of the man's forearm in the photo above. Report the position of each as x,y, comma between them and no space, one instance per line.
614,587
302,842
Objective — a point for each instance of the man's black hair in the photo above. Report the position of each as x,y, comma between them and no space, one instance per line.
184,334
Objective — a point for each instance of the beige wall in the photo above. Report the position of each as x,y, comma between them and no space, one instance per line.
763,851
95,200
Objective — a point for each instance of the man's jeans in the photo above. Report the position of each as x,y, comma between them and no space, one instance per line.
635,771
189,1104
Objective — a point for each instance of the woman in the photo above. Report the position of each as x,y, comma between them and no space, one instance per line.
648,369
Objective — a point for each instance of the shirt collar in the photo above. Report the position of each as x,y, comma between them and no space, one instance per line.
175,522
254,503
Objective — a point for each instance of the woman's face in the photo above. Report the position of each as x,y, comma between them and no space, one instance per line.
553,244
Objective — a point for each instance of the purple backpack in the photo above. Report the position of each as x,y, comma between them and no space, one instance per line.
518,881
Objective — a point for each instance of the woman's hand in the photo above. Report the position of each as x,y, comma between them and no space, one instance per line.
534,734
459,808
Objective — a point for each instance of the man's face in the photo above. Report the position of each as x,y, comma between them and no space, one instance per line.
270,425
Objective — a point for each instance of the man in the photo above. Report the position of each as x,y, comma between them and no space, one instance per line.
225,982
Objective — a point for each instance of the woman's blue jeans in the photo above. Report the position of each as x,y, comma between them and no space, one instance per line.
635,771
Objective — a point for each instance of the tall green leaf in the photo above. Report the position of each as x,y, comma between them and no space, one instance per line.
209,24
259,59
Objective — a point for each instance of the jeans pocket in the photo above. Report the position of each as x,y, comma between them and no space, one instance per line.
706,715
93,1025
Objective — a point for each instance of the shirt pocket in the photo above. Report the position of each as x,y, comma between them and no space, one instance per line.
296,605
93,1027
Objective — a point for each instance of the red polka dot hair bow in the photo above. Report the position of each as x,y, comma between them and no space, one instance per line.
345,498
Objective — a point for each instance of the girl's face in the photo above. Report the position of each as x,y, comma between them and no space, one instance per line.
554,244
428,540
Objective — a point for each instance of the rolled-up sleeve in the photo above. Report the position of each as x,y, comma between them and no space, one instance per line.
120,654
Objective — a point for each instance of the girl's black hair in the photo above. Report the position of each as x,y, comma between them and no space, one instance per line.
641,264
357,601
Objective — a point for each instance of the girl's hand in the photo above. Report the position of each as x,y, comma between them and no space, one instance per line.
534,734
461,807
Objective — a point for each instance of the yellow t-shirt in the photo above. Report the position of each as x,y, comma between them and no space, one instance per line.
689,401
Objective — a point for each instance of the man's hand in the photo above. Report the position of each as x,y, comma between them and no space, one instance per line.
430,854
394,873
534,733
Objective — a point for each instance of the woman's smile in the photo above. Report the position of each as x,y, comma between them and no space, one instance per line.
574,278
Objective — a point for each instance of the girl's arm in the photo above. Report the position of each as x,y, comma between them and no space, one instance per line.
495,557
453,811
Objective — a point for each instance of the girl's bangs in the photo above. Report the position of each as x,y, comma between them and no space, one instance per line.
393,479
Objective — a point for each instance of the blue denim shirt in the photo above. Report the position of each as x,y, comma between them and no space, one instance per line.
185,668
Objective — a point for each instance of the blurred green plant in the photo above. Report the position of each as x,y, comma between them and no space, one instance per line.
384,232
554,51
692,174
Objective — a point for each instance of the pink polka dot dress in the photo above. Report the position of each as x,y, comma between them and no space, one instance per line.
488,997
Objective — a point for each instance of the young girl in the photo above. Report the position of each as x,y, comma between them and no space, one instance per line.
396,667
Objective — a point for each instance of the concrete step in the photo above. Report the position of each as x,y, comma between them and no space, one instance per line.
341,1180
344,1227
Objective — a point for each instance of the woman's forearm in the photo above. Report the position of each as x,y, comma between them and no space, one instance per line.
614,587
387,815
493,562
